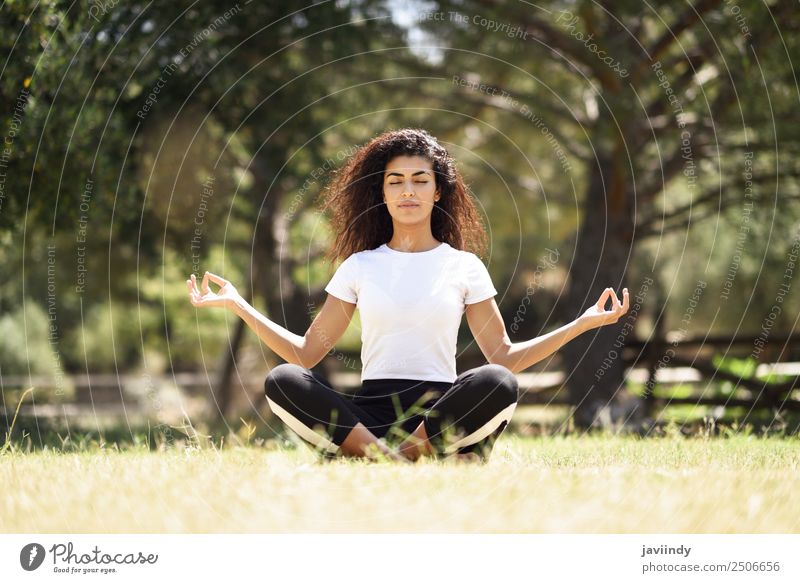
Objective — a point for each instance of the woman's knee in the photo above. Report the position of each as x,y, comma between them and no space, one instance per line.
282,379
498,380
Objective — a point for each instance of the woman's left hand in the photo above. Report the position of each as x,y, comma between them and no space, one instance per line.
598,316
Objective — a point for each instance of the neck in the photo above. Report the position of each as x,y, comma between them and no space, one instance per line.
413,238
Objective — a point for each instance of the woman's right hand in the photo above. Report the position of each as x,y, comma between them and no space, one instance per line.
226,297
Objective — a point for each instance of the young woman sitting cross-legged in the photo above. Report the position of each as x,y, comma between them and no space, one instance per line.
403,221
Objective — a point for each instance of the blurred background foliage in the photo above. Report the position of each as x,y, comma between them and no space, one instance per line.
131,108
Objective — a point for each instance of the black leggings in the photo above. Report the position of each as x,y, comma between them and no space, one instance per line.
466,415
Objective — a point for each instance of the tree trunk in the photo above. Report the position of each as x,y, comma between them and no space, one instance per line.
593,361
270,272
224,382
286,304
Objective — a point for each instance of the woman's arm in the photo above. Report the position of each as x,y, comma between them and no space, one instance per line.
307,350
489,331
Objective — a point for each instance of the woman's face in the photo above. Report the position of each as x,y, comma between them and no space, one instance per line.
409,189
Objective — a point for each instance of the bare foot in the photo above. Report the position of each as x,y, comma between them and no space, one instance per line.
379,451
466,458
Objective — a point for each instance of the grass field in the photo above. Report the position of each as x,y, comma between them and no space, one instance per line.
589,484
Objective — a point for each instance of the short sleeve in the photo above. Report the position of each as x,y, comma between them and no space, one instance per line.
344,283
478,282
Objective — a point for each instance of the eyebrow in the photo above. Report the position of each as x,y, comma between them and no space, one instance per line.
401,174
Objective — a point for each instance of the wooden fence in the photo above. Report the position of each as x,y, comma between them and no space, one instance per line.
658,365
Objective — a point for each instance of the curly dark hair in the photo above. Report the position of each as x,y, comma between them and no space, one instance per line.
354,197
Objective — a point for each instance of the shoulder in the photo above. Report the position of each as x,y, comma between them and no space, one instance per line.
468,258
348,265
357,259
361,256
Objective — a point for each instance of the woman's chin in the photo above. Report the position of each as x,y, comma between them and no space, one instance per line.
410,221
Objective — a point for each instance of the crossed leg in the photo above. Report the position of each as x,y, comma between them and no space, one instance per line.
468,418
310,407
465,421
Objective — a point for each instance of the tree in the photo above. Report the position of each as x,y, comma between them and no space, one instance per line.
143,105
661,109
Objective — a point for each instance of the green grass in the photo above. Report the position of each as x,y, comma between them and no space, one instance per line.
595,483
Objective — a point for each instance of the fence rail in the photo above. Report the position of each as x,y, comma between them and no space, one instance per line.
689,364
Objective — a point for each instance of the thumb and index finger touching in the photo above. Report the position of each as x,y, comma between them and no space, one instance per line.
601,302
192,282
215,278
609,293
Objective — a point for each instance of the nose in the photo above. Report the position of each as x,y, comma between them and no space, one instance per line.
408,193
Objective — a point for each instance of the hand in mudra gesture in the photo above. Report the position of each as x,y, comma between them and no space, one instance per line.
204,297
598,316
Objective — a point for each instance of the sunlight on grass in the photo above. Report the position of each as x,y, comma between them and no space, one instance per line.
550,484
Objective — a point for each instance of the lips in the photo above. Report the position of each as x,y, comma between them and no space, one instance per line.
408,205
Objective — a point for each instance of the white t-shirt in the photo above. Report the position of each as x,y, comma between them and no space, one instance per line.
411,305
